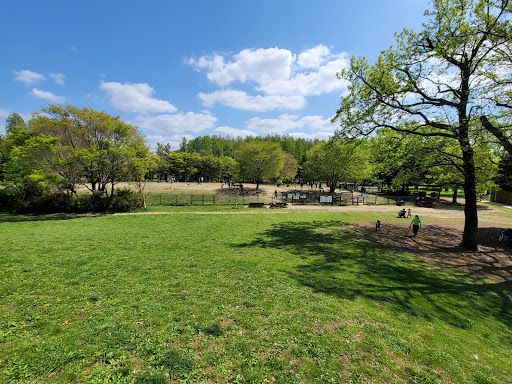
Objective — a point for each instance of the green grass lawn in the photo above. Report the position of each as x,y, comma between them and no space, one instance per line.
298,297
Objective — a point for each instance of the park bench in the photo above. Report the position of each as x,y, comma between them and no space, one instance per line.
256,205
424,202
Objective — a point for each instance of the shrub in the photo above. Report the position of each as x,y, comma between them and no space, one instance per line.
123,200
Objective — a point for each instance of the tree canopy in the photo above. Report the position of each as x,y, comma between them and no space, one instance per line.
259,160
433,81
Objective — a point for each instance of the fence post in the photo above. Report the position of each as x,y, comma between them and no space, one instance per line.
213,199
191,199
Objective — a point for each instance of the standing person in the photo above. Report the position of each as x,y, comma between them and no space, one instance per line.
415,224
377,225
409,213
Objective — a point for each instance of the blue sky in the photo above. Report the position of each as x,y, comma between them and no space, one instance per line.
197,67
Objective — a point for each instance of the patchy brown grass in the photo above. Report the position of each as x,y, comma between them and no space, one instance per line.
439,244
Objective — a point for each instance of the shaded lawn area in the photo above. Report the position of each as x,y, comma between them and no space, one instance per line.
300,297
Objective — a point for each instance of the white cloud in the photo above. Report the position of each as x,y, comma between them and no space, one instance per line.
47,96
314,57
321,81
4,113
135,97
260,65
226,131
183,122
241,100
280,78
59,78
278,126
28,77
311,136
290,125
318,123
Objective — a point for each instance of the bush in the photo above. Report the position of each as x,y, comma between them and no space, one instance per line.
123,200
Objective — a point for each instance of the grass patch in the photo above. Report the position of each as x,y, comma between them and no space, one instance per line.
291,298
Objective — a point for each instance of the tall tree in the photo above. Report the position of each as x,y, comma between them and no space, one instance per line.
432,80
14,120
290,168
259,160
92,145
336,161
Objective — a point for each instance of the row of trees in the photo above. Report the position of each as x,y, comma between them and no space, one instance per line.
222,146
67,147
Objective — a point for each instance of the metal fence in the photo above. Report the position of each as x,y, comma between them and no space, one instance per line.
245,199
192,199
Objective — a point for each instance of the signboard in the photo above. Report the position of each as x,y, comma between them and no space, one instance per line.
326,199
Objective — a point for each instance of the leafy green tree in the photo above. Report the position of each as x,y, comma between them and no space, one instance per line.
432,80
228,168
290,168
504,173
496,114
14,120
184,165
141,163
209,168
93,145
162,167
336,161
402,160
260,160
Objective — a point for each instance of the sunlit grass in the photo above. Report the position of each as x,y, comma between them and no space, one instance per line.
247,298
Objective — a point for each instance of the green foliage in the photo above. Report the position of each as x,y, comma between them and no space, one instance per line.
53,201
92,145
336,161
14,120
432,83
222,147
504,174
259,160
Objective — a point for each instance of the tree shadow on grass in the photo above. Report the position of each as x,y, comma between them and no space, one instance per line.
350,262
18,218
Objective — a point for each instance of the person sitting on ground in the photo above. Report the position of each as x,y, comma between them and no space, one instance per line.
401,213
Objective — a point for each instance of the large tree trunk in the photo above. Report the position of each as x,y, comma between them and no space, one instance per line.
454,195
469,237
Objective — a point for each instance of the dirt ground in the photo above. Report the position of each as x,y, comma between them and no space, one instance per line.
437,242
